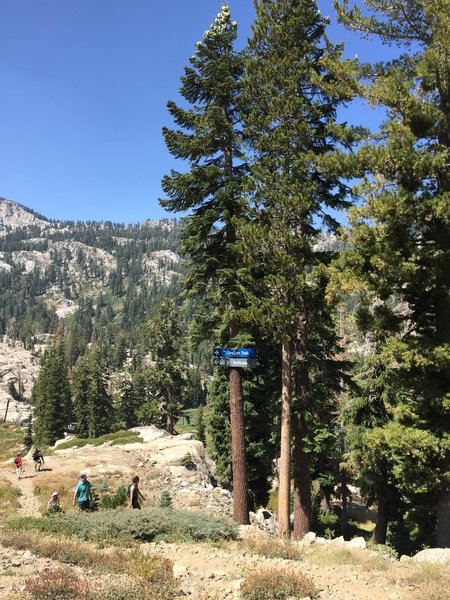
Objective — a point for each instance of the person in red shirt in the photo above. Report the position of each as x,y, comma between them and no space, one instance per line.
18,463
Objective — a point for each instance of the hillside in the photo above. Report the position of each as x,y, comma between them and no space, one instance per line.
101,279
204,571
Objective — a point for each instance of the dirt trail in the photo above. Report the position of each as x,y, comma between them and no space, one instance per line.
29,504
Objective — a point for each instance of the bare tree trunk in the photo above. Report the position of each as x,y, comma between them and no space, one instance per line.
381,525
284,480
238,451
302,480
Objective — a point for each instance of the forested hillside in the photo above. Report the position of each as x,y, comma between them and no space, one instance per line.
319,245
104,278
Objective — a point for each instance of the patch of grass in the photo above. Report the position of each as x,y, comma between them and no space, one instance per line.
62,483
426,574
118,437
328,557
9,498
277,584
155,575
431,582
11,440
273,548
156,524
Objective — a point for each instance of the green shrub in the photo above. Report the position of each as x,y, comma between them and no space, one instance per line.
148,525
382,549
277,584
166,500
111,502
187,462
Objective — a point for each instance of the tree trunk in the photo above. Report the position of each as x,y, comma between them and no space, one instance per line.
301,460
284,477
238,451
443,513
380,531
302,480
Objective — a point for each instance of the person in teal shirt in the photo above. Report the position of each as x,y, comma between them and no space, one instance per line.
83,494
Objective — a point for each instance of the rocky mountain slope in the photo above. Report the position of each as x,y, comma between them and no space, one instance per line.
99,277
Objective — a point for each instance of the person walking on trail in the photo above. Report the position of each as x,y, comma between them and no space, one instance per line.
83,493
38,459
135,493
18,463
53,503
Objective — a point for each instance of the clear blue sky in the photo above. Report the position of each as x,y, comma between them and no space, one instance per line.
84,86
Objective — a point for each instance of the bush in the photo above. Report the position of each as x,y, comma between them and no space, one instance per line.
59,583
115,501
275,584
273,548
147,525
166,500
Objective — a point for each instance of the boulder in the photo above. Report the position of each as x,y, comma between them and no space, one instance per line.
435,556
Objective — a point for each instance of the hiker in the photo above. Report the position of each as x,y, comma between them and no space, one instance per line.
134,493
18,463
53,503
83,494
38,458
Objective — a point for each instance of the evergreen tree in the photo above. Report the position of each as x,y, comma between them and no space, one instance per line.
209,139
51,396
166,379
91,401
294,84
400,240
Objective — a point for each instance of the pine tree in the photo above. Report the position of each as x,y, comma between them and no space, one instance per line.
91,401
294,85
209,138
51,396
166,379
400,237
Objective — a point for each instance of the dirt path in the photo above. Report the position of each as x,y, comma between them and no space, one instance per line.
29,504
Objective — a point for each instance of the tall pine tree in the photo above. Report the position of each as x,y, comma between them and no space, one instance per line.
294,85
51,396
401,237
209,138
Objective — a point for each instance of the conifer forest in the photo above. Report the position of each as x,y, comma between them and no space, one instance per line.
319,242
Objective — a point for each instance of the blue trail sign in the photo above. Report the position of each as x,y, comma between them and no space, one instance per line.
234,352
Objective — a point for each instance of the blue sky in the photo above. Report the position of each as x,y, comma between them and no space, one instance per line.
84,86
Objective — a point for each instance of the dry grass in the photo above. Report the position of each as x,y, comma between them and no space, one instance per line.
273,548
152,569
277,584
9,498
324,556
55,584
63,483
11,441
431,582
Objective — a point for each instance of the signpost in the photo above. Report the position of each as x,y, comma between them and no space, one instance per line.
235,357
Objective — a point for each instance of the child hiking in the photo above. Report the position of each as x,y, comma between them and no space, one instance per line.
18,463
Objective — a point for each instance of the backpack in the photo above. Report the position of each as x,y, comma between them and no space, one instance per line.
129,490
17,461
